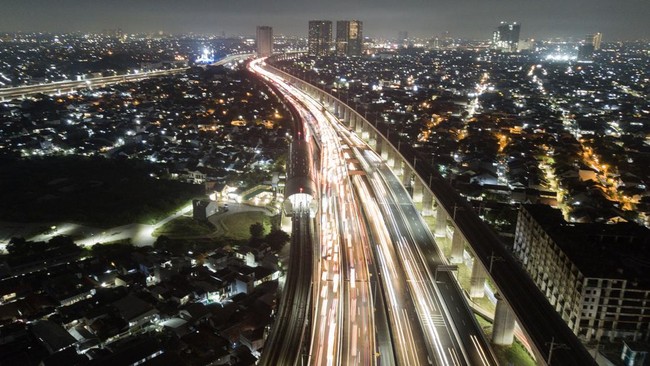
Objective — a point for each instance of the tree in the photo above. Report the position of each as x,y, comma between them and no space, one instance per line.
18,246
277,239
257,230
62,242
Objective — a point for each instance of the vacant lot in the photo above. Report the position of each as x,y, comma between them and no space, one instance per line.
184,227
237,226
95,191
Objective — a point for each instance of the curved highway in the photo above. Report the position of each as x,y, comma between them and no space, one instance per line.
63,87
285,344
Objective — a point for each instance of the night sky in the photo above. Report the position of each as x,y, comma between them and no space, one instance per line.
476,19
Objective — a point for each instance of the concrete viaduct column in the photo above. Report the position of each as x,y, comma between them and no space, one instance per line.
457,247
441,221
407,172
427,202
477,282
385,150
346,117
373,141
390,161
503,329
418,190
398,165
365,130
358,125
379,142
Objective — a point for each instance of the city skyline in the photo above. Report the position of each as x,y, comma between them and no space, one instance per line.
470,19
433,192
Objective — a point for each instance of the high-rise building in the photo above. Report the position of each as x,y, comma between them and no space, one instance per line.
349,37
506,37
264,41
320,37
593,274
403,38
594,39
587,48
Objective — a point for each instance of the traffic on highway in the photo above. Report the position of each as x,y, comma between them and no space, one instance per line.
368,225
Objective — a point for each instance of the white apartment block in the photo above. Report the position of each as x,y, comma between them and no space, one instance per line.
597,276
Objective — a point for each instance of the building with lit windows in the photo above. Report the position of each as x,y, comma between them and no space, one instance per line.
595,40
595,275
320,37
264,41
590,44
506,37
349,37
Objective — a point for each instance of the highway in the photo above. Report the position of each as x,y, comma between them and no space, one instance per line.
343,330
536,316
450,329
63,87
285,343
426,312
422,326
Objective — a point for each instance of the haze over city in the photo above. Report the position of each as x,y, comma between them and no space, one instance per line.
324,183
618,20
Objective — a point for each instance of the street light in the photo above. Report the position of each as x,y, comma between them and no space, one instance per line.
553,347
494,258
456,207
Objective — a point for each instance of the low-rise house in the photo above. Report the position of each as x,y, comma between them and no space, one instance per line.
52,336
202,209
135,311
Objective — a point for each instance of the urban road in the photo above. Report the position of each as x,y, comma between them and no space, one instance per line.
63,87
373,230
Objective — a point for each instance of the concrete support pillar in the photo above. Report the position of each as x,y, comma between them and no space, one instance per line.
441,221
390,156
337,110
397,165
477,282
373,141
378,143
457,247
503,329
418,189
346,117
358,124
407,173
365,133
427,202
385,150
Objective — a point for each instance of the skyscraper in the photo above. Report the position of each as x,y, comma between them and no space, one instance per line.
506,37
594,39
349,37
591,44
320,37
403,38
264,41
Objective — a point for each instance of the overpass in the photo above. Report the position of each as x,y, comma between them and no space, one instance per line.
343,312
288,340
71,86
518,298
